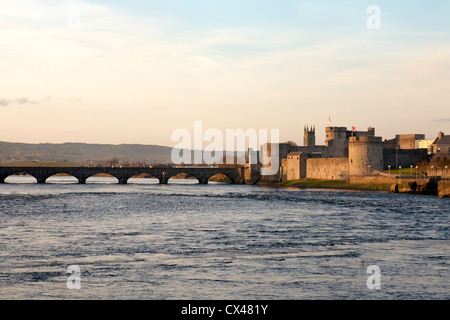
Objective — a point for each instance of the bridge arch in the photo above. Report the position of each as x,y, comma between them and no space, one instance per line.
180,176
101,177
144,178
56,178
9,178
220,178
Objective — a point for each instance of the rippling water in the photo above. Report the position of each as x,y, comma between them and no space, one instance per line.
218,241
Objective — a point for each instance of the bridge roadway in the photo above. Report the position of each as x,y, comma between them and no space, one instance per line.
162,173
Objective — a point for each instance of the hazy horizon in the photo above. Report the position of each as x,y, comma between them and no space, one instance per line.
112,72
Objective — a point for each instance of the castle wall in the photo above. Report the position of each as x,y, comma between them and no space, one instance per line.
327,168
313,151
370,132
390,144
403,157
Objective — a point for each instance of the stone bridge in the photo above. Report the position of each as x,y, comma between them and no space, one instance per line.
162,173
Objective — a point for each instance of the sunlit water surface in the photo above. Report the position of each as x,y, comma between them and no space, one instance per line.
218,241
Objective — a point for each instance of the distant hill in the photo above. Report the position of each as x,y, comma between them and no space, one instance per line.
12,153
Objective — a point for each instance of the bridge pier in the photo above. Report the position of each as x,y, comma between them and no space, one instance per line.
41,180
123,180
82,180
203,181
163,180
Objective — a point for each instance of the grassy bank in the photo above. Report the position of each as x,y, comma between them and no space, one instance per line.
334,184
403,172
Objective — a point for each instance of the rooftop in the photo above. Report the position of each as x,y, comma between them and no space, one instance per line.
444,139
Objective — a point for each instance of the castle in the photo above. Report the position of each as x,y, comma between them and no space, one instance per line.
346,153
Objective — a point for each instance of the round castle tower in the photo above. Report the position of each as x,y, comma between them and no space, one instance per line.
365,154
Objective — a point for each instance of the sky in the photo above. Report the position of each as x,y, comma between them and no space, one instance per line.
134,71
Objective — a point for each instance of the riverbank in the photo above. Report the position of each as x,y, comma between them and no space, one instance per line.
333,184
433,187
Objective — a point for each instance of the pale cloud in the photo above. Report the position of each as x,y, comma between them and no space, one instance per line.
20,101
7,102
269,77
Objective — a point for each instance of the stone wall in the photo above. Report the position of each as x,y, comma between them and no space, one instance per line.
327,168
382,179
444,189
372,179
414,186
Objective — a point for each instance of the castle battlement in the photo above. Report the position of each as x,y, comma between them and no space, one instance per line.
367,139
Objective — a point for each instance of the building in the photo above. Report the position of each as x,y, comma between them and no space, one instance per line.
441,145
295,166
405,150
337,138
347,153
425,144
404,141
329,161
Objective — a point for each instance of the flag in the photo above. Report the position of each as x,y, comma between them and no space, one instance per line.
353,128
329,118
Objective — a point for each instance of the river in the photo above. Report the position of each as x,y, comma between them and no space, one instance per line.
183,240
